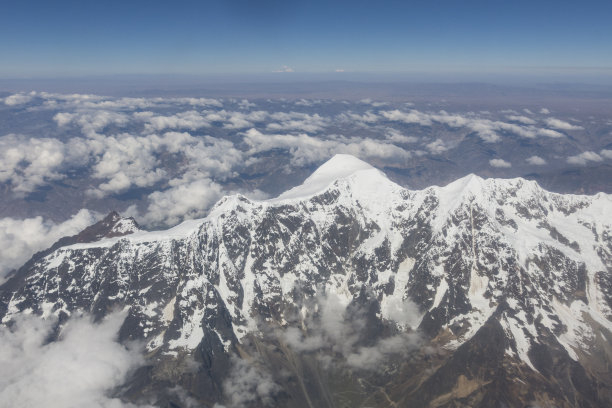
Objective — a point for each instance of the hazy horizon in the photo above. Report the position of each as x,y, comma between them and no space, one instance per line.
68,38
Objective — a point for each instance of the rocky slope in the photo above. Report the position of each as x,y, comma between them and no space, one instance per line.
352,291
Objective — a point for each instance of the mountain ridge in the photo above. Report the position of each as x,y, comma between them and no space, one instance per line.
470,183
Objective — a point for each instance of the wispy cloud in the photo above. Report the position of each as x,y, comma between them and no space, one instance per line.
561,124
330,332
284,68
583,158
488,130
521,119
78,370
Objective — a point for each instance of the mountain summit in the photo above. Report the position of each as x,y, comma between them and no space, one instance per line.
338,167
352,291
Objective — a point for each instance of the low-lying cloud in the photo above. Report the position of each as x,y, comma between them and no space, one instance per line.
249,384
21,238
328,329
80,369
185,199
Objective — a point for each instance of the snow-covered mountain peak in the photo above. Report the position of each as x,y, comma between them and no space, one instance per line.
473,188
470,184
124,226
341,166
476,186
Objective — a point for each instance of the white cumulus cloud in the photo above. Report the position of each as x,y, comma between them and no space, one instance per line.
297,121
18,99
536,161
437,146
191,120
606,153
501,163
185,199
29,163
21,238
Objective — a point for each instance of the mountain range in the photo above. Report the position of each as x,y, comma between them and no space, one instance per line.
350,291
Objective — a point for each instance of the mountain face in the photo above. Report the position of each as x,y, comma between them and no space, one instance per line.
352,291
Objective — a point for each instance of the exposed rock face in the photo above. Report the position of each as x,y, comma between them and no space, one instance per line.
501,293
113,225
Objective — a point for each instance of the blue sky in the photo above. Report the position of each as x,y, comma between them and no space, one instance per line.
47,38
